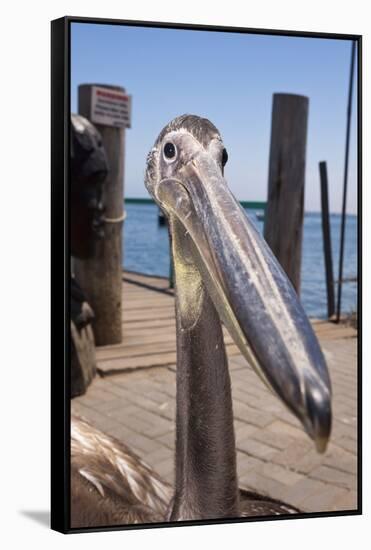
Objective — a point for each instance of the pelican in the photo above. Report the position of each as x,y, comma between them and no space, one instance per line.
224,273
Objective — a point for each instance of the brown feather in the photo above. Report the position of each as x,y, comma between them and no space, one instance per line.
111,484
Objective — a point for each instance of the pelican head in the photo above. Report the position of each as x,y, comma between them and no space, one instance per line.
251,293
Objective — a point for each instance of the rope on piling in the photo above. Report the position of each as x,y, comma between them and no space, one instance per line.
116,220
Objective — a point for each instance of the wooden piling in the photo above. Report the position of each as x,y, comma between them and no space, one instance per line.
327,240
283,228
101,275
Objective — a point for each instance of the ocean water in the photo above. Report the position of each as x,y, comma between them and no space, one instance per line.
146,250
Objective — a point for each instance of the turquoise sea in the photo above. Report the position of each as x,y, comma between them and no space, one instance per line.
146,250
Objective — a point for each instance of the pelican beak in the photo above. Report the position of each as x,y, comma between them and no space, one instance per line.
251,293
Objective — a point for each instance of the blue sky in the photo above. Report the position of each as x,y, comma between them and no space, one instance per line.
230,79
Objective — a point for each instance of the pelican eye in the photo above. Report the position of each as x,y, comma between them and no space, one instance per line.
224,157
169,150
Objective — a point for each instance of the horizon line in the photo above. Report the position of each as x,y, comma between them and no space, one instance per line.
258,205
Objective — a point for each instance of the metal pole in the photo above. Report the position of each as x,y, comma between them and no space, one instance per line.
327,240
346,163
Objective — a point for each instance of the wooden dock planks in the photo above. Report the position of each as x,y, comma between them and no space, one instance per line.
149,338
274,456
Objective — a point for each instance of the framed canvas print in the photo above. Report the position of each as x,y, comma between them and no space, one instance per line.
206,292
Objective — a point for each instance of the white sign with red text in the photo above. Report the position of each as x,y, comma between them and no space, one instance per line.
110,107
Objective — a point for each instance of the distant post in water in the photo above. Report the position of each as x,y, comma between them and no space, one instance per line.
283,228
108,108
327,240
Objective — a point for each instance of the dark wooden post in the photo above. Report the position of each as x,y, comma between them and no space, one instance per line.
327,240
283,229
101,275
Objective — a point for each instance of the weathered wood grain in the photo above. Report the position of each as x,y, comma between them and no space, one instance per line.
149,335
101,275
283,228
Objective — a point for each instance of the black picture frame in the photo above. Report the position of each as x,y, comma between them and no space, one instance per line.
60,266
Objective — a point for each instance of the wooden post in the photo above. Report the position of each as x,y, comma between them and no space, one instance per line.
283,229
327,240
101,275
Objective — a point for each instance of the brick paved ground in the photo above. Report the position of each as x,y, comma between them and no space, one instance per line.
274,455
135,402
